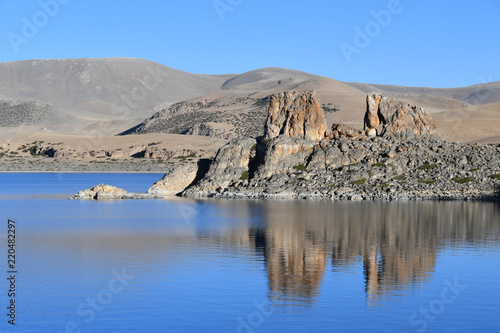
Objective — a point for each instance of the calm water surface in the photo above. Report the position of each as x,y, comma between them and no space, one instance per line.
244,266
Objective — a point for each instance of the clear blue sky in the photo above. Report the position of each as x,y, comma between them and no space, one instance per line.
420,43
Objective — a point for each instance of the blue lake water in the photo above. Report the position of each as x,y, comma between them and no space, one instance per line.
184,265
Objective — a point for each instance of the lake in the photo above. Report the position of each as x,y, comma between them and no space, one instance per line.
182,265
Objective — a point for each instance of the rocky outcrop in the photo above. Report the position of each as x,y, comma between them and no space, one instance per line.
397,156
282,154
231,165
102,191
136,151
386,116
108,192
200,129
174,181
294,125
295,114
400,158
380,169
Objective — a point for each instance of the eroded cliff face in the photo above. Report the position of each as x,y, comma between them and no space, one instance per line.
295,114
295,124
231,165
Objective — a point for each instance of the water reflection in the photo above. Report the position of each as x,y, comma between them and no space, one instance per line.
397,243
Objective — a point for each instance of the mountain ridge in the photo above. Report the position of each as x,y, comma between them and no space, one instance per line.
107,96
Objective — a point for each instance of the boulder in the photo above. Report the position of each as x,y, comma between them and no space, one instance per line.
339,130
102,191
174,181
390,117
295,114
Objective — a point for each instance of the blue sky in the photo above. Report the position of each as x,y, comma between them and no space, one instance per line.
406,42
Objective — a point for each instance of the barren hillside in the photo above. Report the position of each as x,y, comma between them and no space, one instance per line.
96,97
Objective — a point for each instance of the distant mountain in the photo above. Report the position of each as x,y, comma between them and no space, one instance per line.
99,95
135,96
475,95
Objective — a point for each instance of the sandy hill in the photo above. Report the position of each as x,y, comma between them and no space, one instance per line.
475,95
463,114
134,96
99,96
241,108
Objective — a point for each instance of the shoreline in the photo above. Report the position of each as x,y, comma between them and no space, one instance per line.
298,197
403,197
87,172
280,196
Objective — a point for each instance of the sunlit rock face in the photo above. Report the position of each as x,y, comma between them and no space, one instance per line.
387,116
295,114
174,181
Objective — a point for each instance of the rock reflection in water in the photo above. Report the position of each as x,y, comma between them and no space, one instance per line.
397,243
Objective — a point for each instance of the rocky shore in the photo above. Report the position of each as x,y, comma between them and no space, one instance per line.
397,156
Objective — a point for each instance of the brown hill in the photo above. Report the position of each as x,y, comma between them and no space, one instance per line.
241,109
97,96
122,95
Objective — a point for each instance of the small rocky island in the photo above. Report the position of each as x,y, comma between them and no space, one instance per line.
397,156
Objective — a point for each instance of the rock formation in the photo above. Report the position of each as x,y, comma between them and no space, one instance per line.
339,130
200,129
101,191
231,165
395,157
282,154
386,116
174,181
295,114
294,125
